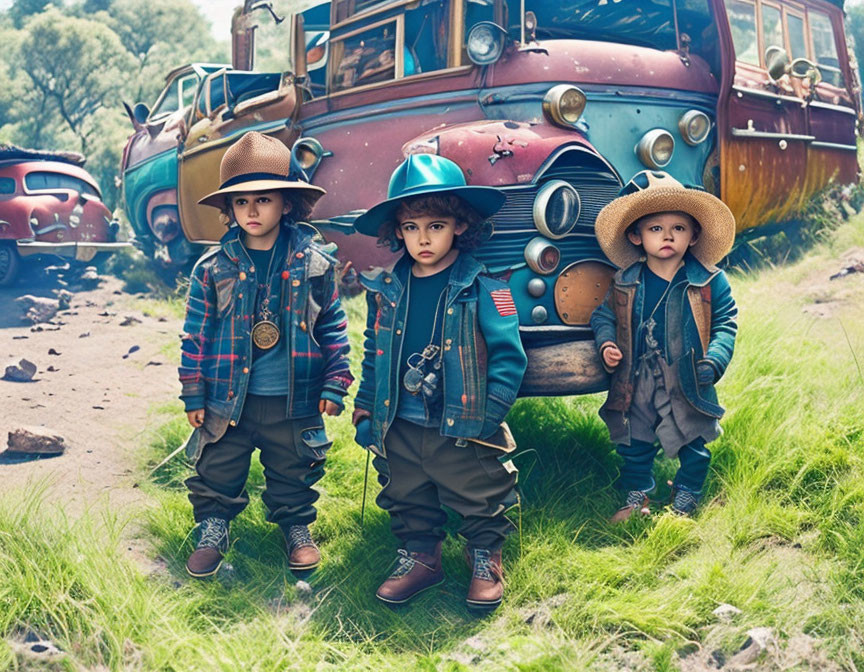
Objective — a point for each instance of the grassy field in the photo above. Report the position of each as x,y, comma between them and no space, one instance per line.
779,537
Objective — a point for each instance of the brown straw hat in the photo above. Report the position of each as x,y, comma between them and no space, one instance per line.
258,162
651,192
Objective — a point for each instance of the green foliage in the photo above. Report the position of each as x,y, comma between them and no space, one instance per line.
779,536
65,72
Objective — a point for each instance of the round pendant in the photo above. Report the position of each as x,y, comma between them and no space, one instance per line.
265,334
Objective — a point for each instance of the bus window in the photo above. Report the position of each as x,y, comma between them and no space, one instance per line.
772,28
742,19
825,49
365,57
797,36
426,32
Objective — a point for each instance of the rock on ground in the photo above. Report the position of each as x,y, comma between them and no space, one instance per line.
20,372
35,441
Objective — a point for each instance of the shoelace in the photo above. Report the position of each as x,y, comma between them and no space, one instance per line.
634,500
406,564
483,564
299,536
684,501
214,531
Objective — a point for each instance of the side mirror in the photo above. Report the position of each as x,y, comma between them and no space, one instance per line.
140,112
777,62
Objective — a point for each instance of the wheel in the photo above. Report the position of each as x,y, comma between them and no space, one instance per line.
9,264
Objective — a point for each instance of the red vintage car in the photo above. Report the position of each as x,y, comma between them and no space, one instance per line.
50,205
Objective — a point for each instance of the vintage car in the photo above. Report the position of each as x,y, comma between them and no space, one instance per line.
50,207
557,103
149,169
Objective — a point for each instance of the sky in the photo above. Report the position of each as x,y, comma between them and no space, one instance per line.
219,13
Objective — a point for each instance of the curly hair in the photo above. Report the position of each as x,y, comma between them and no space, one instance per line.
301,205
437,205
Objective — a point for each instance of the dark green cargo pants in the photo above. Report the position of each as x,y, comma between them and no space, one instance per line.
292,453
424,470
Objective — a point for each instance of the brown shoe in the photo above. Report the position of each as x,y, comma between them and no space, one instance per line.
303,554
206,559
487,581
636,500
415,573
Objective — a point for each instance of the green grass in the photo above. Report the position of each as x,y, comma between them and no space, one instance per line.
779,536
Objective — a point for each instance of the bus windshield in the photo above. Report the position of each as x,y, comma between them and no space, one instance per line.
647,23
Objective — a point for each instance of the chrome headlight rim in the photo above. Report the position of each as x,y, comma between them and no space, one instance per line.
307,153
646,145
684,127
552,105
534,255
541,203
495,32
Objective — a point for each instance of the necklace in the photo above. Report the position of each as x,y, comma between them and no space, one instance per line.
265,332
650,324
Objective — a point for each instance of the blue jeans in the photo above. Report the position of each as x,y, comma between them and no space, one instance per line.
636,472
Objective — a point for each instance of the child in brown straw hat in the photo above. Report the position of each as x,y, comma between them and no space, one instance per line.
665,332
264,354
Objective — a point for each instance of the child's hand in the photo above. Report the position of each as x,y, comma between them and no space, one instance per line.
704,373
611,354
329,407
196,418
359,414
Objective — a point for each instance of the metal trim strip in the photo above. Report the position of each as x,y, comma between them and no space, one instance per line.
833,145
747,133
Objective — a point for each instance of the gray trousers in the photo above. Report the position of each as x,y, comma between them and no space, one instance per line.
424,470
292,453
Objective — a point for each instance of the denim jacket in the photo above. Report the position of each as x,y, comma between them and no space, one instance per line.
216,353
700,326
483,360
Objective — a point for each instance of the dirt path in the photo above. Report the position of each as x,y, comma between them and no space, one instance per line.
92,396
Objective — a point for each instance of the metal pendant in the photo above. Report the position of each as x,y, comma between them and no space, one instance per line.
265,334
650,340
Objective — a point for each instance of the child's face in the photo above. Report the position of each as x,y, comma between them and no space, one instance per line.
664,236
258,212
429,239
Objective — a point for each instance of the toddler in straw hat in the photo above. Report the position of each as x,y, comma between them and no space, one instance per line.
264,354
665,332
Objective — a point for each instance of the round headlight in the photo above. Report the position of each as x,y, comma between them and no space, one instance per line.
694,126
556,209
542,256
564,104
655,148
485,43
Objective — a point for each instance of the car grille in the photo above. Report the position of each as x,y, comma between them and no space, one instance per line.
514,223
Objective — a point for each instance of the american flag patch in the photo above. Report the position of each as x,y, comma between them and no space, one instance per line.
503,300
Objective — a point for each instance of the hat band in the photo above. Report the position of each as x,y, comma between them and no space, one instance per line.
249,177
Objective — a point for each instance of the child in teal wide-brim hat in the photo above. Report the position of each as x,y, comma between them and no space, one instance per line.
442,365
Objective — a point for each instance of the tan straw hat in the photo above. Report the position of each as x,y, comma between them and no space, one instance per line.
651,192
258,162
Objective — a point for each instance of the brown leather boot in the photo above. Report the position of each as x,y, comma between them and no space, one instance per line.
213,542
303,554
487,581
415,573
636,500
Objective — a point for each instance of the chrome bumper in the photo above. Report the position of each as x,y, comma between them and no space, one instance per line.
72,250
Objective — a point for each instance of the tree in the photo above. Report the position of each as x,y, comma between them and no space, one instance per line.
77,64
161,35
21,10
855,30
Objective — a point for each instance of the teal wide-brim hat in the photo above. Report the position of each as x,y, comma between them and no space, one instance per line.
425,175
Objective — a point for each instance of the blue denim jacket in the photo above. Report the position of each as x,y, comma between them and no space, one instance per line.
483,358
700,326
216,354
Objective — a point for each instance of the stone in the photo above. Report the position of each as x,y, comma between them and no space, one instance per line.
35,441
130,321
20,372
303,587
37,309
726,612
758,640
